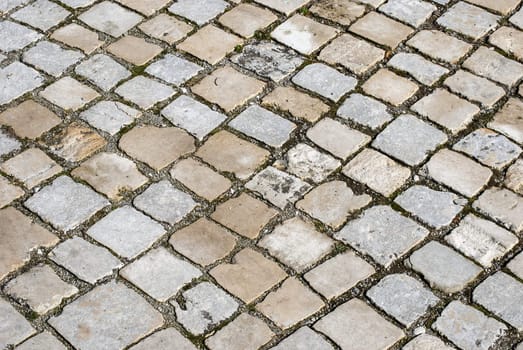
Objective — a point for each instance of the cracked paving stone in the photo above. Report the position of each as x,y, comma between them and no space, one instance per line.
29,119
297,103
40,288
304,338
8,192
203,242
439,45
354,325
85,260
41,14
413,12
403,297
421,69
508,120
164,202
509,40
173,69
337,275
263,125
490,64
332,202
110,174
468,20
110,116
390,87
308,163
514,177
42,340
364,110
65,204
103,71
381,29
166,28
134,50
382,233
14,36
199,12
165,339
468,328
436,208
503,206
14,327
160,274
325,81
246,19
27,79
426,342
8,144
51,58
126,231
475,88
144,92
244,333
78,37
20,236
110,18
204,307
249,275
278,187
341,11
193,116
297,244
69,94
31,167
86,324
442,267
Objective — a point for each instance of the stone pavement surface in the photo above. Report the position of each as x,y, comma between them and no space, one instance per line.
261,174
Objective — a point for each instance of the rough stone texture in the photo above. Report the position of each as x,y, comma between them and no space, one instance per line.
310,164
29,119
503,206
297,103
421,69
390,87
110,18
341,11
103,71
78,37
304,338
8,192
516,265
134,50
41,14
507,120
426,342
14,327
31,167
27,79
69,94
8,144
144,92
439,45
490,64
51,58
381,29
199,12
364,110
469,20
110,116
514,177
503,6
165,339
14,36
166,28
475,88
43,340
285,7
509,40
412,12
173,69
246,19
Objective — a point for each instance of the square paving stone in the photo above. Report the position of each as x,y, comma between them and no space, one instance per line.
377,171
355,54
290,304
110,174
69,94
193,116
199,12
268,59
126,231
246,19
278,187
8,192
166,28
160,274
475,88
173,69
390,87
325,81
489,148
244,333
354,325
509,40
341,11
308,163
439,45
43,340
468,328
468,20
502,6
381,29
134,50
364,110
507,120
337,138
146,8
86,324
17,79
297,103
503,206
442,267
304,338
15,327
263,125
65,203
233,212
203,242
78,37
210,44
205,306
249,275
20,236
411,12
332,202
41,14
51,58
403,297
337,275
14,36
446,109
382,233
228,88
110,18
303,34
31,167
227,152
85,260
421,69
29,119
110,116
164,202
500,294
297,244
103,71
436,208
286,7
457,172
490,64
409,139
165,339
426,341
40,288
157,147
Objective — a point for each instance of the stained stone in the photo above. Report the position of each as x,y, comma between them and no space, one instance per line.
503,206
341,11
421,69
43,340
507,120
14,36
51,58
426,342
173,69
490,64
304,338
509,40
144,92
325,81
381,29
297,103
134,50
364,110
205,306
8,192
8,144
244,333
14,327
439,45
514,177
166,28
110,116
308,163
65,203
29,119
69,94
469,20
412,12
165,339
41,14
78,37
31,167
102,71
110,18
382,233
246,19
27,79
199,12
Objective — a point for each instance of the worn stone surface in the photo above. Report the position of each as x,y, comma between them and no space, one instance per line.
198,12
8,192
297,103
29,119
514,177
41,14
210,44
341,11
285,7
246,19
144,92
325,81
51,58
492,65
69,94
31,167
42,340
304,338
390,87
77,36
164,340
412,12
507,120
110,18
503,206
134,50
426,342
27,79
381,29
475,88
308,163
421,69
439,45
166,28
110,116
364,110
15,328
15,36
509,40
103,71
244,333
173,69
469,20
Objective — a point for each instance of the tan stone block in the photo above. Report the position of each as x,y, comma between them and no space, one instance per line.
381,29
134,50
210,44
390,87
147,7
509,40
439,45
29,119
79,37
297,103
508,119
31,167
246,19
342,11
502,6
69,94
8,192
166,28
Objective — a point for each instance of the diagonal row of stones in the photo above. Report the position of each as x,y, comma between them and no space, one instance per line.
289,174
